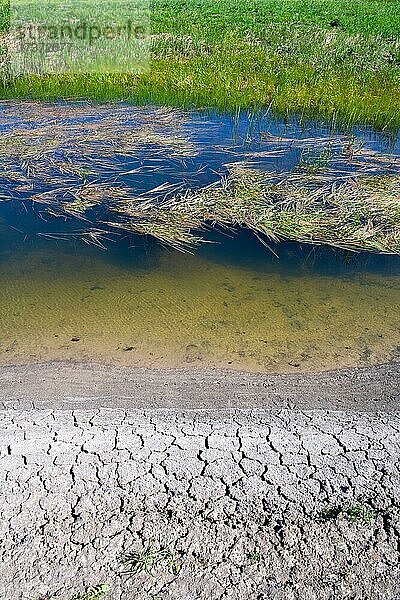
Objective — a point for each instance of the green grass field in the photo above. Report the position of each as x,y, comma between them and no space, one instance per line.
331,58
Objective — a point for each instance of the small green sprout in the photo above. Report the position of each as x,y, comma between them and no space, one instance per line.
148,559
354,513
254,557
93,593
98,592
358,512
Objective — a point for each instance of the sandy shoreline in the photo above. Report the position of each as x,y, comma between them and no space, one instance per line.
76,385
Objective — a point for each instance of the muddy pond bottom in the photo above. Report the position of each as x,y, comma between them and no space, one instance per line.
233,305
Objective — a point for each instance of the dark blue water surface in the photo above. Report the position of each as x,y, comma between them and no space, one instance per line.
214,142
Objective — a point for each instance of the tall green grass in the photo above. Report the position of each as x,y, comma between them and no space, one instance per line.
318,57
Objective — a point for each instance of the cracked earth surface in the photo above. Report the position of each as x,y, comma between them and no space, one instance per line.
254,504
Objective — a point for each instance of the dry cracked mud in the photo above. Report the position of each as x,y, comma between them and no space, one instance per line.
266,503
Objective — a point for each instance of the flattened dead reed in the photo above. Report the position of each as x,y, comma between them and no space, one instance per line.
72,158
357,213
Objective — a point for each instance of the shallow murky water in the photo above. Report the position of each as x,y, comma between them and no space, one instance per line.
232,304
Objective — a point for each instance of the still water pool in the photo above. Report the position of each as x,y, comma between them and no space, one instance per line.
232,303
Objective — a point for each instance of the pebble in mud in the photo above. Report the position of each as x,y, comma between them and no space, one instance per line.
193,353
